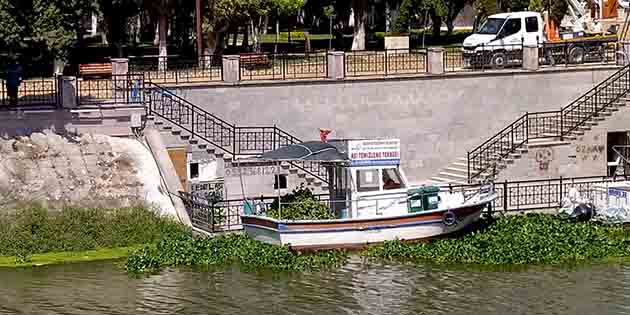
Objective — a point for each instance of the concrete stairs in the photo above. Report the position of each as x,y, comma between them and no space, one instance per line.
456,173
175,134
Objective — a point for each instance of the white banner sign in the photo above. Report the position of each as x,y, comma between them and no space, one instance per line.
374,152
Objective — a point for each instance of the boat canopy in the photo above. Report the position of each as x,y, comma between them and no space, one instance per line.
315,151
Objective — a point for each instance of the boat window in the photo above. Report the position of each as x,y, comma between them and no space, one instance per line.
280,181
392,179
367,180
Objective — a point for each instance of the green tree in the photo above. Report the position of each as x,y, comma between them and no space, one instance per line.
11,31
162,10
115,13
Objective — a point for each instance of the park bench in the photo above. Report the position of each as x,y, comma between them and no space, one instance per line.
95,69
255,60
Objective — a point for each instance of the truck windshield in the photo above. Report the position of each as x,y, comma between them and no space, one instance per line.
491,26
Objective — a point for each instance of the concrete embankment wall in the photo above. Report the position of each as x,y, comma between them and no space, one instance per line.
436,118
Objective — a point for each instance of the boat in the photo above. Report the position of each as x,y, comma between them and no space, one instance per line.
371,198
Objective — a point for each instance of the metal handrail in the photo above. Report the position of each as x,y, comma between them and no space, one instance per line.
583,108
237,136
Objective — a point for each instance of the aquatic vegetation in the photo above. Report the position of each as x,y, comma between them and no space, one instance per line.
33,229
185,249
520,239
301,204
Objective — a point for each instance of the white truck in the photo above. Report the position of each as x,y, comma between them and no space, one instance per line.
499,39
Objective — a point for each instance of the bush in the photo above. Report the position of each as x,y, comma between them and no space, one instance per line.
33,229
184,249
301,204
522,239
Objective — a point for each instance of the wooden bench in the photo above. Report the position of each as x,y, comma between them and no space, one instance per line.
95,69
255,60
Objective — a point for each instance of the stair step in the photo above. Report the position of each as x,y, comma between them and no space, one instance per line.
202,146
460,164
453,175
456,169
447,181
548,143
193,141
158,122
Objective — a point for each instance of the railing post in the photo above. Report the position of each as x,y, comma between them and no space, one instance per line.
561,124
505,195
68,86
120,69
231,68
386,63
192,123
234,150
468,164
275,132
526,126
530,57
560,197
336,65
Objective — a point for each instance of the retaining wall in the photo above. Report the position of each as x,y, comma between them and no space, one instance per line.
437,118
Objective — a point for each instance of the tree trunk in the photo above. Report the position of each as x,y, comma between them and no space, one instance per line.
265,25
163,53
245,42
449,26
156,37
360,11
275,50
436,25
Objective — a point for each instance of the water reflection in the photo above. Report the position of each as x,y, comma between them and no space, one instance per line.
357,288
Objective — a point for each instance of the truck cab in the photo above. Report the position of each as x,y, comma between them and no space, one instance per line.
499,35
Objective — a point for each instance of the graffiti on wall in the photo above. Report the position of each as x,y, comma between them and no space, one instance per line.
544,156
590,151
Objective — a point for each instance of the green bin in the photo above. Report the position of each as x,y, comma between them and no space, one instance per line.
422,198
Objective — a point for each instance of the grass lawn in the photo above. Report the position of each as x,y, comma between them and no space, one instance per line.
69,257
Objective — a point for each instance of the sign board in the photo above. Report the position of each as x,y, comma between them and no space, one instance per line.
204,188
374,152
252,171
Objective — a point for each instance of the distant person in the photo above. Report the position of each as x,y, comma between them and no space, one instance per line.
14,78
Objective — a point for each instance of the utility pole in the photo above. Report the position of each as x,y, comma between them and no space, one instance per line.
199,30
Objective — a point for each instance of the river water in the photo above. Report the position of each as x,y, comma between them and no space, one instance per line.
357,288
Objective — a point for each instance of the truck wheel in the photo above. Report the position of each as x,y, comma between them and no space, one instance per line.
549,60
498,60
576,55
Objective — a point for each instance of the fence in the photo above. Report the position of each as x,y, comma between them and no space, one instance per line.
512,196
482,57
174,69
119,89
30,92
270,66
572,53
386,62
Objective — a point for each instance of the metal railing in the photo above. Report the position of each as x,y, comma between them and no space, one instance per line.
118,89
30,92
551,124
483,57
174,69
283,66
512,196
385,62
232,139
